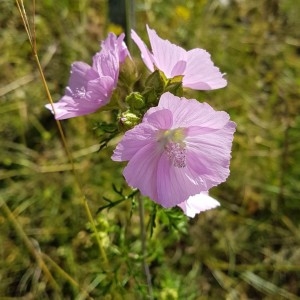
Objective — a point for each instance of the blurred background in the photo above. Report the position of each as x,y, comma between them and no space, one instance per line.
249,248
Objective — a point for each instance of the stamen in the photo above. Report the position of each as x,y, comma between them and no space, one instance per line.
177,154
79,93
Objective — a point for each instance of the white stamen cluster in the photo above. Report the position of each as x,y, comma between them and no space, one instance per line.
177,154
79,93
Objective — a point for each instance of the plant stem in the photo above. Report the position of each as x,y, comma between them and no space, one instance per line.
144,246
32,40
130,20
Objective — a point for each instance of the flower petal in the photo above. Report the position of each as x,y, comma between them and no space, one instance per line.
208,155
80,74
100,90
161,119
179,68
167,55
174,184
145,53
134,140
68,107
198,203
106,64
142,169
200,72
116,45
188,113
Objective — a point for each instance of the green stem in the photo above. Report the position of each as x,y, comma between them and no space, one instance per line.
62,135
130,21
144,246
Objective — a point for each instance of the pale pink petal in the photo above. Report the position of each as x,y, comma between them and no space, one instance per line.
178,69
182,109
207,169
162,118
116,45
167,55
174,185
141,171
208,155
198,203
122,48
106,64
133,141
67,107
100,90
188,113
145,53
80,74
200,72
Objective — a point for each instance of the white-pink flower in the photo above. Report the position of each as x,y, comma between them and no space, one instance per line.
195,66
181,149
90,87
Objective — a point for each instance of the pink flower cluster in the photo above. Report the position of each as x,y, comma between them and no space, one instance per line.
181,148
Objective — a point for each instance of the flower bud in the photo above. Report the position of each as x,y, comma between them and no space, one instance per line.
128,120
135,101
157,81
151,97
128,73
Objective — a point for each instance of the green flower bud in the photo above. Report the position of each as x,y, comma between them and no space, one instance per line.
128,120
128,73
151,97
135,101
157,81
168,294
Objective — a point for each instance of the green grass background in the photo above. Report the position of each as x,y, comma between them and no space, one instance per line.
249,248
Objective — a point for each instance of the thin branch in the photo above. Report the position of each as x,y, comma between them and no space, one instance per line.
32,40
144,246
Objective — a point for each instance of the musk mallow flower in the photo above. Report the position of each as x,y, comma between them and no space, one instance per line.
180,149
195,66
90,87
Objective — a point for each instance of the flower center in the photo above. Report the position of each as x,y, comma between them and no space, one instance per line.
173,143
79,93
176,154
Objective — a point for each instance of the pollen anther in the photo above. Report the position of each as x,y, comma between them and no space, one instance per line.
177,154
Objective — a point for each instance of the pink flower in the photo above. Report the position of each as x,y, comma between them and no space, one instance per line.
90,87
181,148
195,66
198,203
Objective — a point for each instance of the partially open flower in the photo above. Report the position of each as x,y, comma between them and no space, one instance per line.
195,66
90,87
